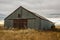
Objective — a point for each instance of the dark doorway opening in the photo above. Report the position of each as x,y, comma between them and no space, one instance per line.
20,23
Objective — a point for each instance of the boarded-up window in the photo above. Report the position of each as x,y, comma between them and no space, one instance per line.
19,15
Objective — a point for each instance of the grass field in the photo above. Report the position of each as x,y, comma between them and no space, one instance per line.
28,34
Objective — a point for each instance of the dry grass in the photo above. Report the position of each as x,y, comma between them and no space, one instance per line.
28,34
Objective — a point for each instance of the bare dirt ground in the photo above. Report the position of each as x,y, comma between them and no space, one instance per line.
28,34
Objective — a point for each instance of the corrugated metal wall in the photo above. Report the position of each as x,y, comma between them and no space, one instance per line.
35,22
46,24
8,23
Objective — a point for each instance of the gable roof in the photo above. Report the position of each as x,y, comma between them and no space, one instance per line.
13,12
37,15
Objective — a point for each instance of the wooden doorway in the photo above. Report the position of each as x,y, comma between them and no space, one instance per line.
20,23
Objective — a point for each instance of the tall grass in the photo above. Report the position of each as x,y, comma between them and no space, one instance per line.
28,34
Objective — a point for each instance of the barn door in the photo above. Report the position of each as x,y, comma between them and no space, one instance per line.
20,23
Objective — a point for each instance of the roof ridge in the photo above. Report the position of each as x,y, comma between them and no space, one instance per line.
39,16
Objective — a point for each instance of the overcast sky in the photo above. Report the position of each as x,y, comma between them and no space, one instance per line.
47,8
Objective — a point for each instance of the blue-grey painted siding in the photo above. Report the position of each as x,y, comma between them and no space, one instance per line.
14,15
46,24
26,14
8,23
35,23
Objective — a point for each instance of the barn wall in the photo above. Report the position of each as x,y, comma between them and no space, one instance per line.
26,14
14,15
8,24
34,23
46,24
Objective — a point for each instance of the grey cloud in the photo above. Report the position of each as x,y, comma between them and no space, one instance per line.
42,7
5,6
53,16
51,6
7,1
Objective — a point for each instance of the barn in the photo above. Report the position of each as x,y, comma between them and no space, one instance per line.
22,18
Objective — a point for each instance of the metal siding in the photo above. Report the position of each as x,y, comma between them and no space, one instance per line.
45,24
27,14
8,23
37,23
32,23
14,15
